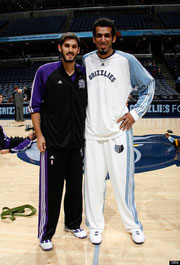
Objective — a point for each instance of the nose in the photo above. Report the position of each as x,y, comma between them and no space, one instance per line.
70,49
103,38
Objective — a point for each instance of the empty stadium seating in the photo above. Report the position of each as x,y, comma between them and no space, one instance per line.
29,26
17,75
122,21
170,20
174,66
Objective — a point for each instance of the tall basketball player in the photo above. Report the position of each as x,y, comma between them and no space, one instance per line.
111,77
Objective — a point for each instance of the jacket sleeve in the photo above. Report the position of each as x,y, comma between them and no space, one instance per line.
145,84
37,92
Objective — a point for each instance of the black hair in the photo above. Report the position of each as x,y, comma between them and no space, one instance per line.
69,35
104,22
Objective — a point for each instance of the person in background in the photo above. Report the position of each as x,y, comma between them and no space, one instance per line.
15,144
58,110
111,77
19,103
3,99
10,99
174,141
27,94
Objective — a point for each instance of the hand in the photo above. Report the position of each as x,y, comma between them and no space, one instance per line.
127,121
41,143
166,135
4,151
32,135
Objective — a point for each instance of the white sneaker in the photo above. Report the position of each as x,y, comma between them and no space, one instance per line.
46,245
79,232
95,237
138,236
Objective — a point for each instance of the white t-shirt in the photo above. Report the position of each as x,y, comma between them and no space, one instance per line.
109,83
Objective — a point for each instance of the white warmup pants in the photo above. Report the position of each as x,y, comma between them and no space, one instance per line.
102,157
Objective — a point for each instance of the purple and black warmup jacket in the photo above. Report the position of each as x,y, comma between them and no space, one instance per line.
61,99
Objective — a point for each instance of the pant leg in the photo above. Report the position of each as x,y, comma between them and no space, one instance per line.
94,174
21,113
121,170
52,171
17,114
15,141
73,193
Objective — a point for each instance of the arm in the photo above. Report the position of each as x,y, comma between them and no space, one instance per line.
140,108
41,143
35,108
141,79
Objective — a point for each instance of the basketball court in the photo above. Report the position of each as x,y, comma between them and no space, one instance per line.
157,193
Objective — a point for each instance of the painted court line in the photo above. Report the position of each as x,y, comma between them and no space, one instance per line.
96,254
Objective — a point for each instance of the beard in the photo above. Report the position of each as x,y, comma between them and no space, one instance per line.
67,60
102,52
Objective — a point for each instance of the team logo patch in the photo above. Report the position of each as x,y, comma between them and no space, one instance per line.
118,148
151,152
81,83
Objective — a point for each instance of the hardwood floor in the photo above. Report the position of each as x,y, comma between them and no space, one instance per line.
157,201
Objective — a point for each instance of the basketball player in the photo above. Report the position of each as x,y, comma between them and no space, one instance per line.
15,144
58,110
111,77
174,141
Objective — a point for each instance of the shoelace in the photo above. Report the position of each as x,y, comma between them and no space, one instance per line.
46,241
77,230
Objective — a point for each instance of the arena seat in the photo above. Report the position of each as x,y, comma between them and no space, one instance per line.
3,23
170,20
29,26
174,66
122,21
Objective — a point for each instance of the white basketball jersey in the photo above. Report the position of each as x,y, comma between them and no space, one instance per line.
109,82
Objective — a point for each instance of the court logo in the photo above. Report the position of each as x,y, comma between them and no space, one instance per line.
151,152
31,155
154,152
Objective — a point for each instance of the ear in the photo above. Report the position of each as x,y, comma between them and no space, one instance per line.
94,39
78,50
59,47
114,39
